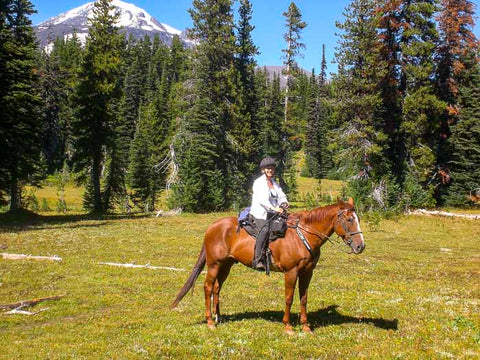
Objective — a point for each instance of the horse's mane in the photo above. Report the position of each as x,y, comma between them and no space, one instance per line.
315,215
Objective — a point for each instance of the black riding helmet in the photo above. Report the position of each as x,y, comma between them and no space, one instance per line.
267,161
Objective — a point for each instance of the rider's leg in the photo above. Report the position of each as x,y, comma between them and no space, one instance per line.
262,238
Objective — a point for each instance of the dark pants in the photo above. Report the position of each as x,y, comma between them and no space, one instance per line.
263,227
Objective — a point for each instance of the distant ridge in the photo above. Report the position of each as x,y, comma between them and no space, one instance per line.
279,71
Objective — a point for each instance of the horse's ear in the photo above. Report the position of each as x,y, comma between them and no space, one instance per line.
340,203
350,201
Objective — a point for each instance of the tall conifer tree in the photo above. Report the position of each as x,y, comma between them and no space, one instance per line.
208,149
293,36
465,144
98,96
360,139
456,56
20,128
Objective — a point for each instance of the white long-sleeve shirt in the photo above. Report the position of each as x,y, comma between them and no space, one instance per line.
265,198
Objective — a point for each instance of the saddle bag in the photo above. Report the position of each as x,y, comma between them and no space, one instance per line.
278,226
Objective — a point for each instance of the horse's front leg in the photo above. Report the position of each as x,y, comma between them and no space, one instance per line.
290,282
304,281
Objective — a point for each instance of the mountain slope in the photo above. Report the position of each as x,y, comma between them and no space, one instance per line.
133,20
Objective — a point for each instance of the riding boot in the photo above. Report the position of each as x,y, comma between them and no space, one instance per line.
262,238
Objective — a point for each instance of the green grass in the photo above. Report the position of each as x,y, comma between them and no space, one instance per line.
414,294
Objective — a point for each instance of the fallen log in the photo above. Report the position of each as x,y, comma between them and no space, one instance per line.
26,303
444,213
30,257
148,266
23,312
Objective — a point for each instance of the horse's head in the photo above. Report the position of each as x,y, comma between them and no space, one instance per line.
347,226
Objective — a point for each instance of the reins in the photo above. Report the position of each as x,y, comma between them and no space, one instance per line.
298,228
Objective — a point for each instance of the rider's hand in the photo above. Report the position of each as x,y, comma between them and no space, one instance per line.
284,205
277,209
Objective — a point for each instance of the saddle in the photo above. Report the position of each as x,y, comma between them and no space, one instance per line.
278,226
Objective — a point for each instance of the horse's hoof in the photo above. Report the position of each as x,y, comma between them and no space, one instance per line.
211,326
289,330
306,329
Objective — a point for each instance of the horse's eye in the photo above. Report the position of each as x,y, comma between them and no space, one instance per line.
350,220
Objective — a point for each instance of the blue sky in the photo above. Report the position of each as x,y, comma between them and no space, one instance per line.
267,18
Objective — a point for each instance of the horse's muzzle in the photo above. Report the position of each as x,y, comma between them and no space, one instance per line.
357,244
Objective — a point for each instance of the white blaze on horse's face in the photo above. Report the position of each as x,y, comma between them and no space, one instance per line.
357,224
352,233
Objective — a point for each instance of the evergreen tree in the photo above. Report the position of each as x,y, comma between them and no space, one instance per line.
141,164
359,141
245,130
208,149
313,155
98,95
292,37
421,107
58,79
20,128
322,78
270,116
454,58
465,145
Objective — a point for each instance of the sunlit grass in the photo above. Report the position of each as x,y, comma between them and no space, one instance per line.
414,294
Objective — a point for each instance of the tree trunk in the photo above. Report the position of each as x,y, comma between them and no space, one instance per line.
14,194
97,196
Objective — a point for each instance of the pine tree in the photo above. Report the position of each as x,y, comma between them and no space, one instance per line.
456,45
322,78
58,79
359,141
313,155
141,165
98,95
292,37
465,144
246,127
208,149
271,117
421,107
20,128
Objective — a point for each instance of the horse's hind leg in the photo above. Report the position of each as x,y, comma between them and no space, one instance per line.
208,286
221,277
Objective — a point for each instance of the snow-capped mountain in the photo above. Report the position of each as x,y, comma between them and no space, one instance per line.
133,20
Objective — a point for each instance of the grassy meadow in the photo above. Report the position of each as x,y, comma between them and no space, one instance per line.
413,294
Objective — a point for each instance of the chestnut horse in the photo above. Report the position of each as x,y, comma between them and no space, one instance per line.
223,247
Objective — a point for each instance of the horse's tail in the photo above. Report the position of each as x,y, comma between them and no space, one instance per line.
197,269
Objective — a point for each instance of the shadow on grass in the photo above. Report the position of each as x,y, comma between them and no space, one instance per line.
320,318
26,220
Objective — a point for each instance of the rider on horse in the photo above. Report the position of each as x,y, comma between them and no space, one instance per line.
267,200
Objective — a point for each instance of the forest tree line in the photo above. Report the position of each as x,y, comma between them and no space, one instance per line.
399,121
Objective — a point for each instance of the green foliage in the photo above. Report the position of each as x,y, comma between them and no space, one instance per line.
30,201
20,128
465,147
98,93
45,206
61,179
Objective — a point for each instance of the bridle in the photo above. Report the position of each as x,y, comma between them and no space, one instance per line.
347,239
342,221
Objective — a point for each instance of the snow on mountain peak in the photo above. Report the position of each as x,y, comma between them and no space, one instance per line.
132,21
131,16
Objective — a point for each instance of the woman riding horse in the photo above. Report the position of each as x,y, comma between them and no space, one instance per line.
296,254
267,200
